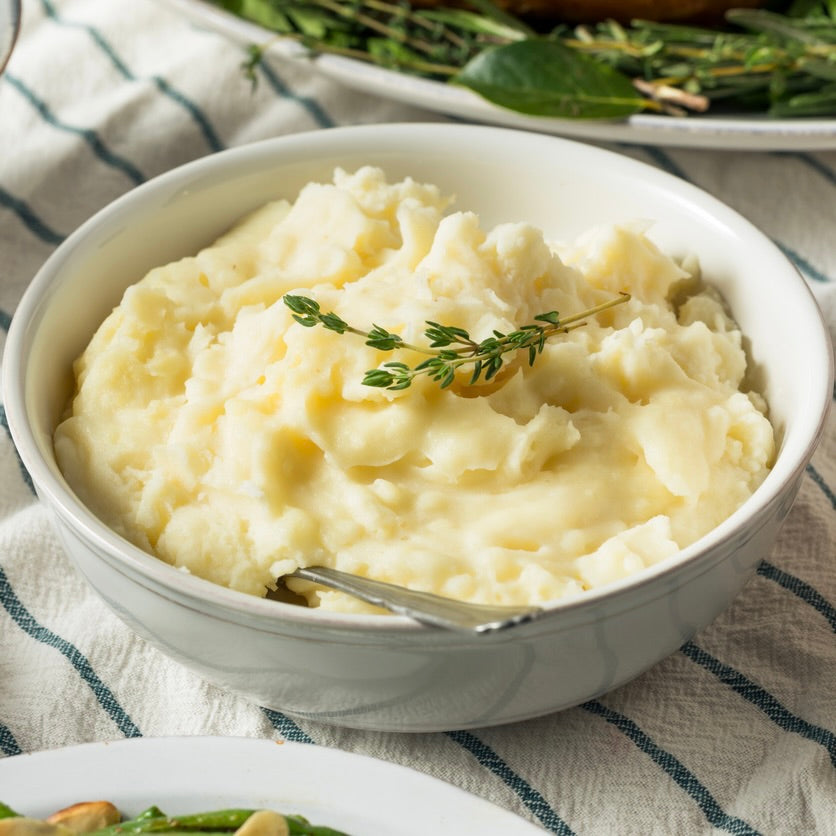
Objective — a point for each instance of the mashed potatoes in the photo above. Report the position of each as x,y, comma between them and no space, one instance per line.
215,432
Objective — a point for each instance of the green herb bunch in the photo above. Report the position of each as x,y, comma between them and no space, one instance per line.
449,347
778,62
783,64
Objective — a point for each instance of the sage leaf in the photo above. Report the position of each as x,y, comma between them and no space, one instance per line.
545,78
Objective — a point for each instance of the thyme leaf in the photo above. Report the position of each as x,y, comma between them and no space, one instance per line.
448,347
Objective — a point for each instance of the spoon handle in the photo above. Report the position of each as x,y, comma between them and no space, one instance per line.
421,606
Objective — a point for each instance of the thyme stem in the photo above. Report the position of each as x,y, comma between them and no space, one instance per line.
449,347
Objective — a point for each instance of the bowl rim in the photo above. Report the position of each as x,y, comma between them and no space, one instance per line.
184,587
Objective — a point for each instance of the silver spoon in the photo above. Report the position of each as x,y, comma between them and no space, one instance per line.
422,606
9,29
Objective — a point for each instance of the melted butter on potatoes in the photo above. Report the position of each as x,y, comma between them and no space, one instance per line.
215,432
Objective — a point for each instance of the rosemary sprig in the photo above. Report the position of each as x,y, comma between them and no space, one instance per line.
760,61
449,348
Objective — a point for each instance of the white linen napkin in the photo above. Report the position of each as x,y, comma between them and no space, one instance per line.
734,733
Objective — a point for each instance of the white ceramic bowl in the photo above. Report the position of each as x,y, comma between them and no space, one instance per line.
386,672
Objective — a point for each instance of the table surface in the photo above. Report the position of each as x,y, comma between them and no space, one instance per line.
735,732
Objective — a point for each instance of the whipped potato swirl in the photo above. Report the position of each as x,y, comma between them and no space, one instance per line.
213,431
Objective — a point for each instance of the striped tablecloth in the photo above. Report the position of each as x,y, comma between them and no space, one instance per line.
736,732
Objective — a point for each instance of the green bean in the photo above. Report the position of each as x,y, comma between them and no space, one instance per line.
213,823
300,826
154,820
297,826
151,812
167,829
6,812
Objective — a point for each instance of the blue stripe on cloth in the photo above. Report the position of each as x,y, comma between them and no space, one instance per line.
29,218
762,699
311,105
825,488
212,139
8,744
5,320
665,162
525,792
802,264
89,136
809,160
683,777
286,727
27,623
24,473
163,86
803,590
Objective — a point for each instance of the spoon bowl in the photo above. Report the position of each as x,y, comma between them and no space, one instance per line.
424,607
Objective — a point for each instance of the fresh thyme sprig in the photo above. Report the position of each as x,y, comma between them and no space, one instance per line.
449,348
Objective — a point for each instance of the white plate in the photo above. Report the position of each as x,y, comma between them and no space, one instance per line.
748,133
358,794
